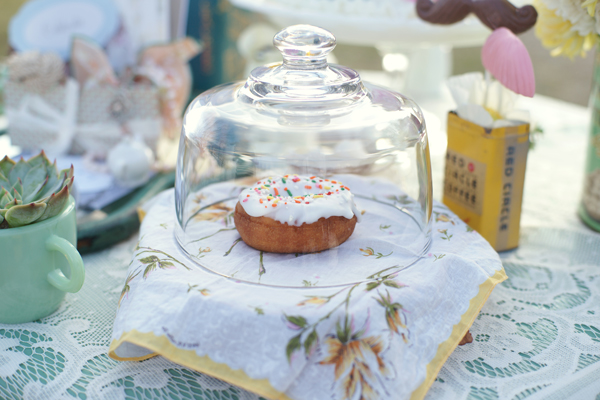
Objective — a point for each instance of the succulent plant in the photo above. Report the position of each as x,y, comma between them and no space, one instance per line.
32,191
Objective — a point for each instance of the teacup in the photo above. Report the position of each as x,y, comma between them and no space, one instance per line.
38,264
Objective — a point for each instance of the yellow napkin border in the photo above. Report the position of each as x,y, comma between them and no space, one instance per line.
160,345
458,332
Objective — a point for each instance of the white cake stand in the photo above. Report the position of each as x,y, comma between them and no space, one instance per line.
427,46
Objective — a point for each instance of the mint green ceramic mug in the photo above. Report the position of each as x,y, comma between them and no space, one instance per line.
38,264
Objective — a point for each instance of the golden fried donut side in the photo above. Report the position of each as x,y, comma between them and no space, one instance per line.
267,234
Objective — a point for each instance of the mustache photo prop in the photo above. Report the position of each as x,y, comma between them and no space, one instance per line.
492,13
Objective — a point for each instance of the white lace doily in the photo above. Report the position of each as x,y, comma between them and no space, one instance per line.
547,349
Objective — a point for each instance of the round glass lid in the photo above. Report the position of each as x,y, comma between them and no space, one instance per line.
303,175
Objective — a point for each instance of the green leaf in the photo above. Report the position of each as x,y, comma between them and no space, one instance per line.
4,183
372,285
166,264
310,341
293,345
71,172
191,287
67,173
6,164
5,198
297,320
34,181
24,214
149,269
20,170
18,186
54,184
149,259
391,283
13,203
56,203
342,332
40,159
68,183
131,276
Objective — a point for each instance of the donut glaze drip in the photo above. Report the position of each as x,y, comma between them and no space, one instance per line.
298,199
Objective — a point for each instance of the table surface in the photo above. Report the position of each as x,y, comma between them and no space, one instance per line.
536,337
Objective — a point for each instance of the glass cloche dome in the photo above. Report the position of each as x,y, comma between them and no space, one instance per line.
303,175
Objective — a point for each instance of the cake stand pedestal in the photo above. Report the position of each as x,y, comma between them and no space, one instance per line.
426,47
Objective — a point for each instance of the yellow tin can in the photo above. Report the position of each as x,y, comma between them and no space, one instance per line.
484,178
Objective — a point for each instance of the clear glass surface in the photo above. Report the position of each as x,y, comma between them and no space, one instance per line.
308,118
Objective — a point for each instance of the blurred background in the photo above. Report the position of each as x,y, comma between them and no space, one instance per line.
573,85
87,79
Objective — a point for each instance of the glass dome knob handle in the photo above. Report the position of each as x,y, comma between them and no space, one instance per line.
304,45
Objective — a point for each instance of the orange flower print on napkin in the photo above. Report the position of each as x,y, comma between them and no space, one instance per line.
358,363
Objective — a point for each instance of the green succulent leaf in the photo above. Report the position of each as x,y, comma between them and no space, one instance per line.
68,172
55,204
19,171
40,159
1,218
18,187
36,186
5,198
69,182
4,183
54,184
24,214
3,212
13,203
17,195
35,180
6,164
71,172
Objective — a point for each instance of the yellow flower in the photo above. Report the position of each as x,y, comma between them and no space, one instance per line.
199,197
393,316
368,252
591,6
443,218
354,362
313,300
558,34
393,319
220,206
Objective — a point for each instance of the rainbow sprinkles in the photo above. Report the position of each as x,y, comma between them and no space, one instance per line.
297,199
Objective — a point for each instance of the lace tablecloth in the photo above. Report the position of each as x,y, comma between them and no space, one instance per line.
537,336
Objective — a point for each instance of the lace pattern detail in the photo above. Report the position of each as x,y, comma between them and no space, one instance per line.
536,338
64,355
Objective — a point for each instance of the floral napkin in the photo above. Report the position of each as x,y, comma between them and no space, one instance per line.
385,337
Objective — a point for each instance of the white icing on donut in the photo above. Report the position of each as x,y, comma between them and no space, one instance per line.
298,199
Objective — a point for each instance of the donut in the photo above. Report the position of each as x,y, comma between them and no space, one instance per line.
295,214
